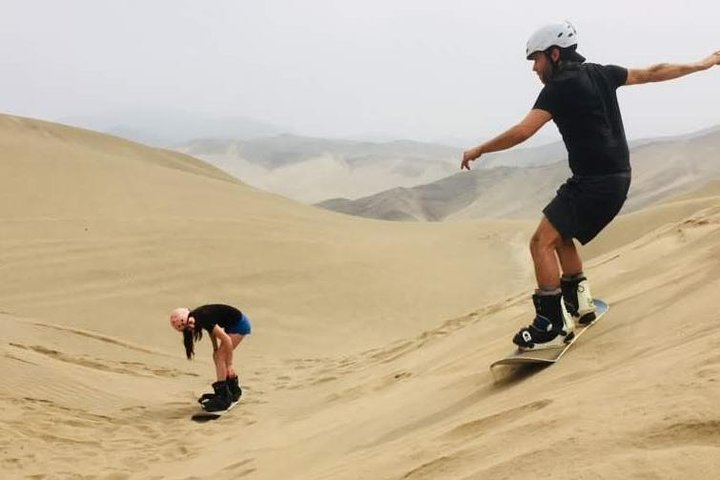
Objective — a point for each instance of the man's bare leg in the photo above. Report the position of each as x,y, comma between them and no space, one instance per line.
544,244
549,327
576,290
569,257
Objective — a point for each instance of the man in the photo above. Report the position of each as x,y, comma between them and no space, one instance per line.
581,99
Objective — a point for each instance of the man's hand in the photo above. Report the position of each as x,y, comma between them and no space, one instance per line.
712,60
470,156
532,122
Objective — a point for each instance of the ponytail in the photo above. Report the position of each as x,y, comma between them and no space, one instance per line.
189,339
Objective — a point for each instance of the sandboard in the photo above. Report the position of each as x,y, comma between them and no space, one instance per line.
548,356
204,416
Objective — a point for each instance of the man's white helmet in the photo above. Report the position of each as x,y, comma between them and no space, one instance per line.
562,35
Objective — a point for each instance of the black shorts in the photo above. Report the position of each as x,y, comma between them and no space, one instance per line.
584,205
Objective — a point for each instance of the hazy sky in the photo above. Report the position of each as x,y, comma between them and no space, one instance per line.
421,69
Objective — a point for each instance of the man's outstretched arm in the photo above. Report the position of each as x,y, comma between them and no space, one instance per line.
509,138
668,71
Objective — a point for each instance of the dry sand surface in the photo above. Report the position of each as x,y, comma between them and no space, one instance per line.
371,344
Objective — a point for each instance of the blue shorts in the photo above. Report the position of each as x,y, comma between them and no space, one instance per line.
240,327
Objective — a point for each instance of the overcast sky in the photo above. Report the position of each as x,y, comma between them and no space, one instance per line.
421,69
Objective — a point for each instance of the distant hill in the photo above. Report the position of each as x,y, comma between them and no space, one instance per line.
661,168
283,150
498,192
315,169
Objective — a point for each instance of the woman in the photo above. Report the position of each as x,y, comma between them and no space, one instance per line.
227,327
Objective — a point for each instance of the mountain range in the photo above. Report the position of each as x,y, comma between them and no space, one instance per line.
661,168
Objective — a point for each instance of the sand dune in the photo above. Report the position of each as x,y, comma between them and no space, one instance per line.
372,339
313,169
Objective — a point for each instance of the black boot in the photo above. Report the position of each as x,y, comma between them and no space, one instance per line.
205,397
221,400
578,299
234,387
550,327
